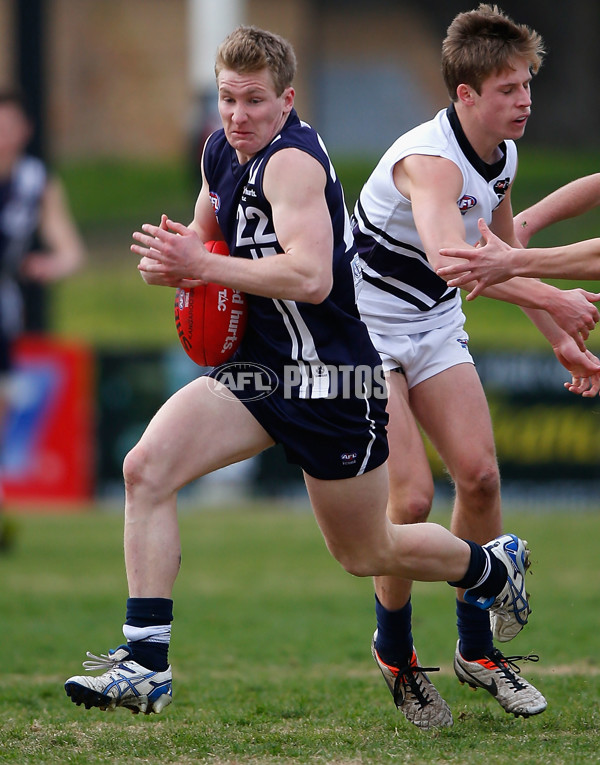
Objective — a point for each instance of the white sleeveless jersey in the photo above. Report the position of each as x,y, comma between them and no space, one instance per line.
401,291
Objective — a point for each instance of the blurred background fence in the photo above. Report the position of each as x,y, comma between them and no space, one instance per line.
122,94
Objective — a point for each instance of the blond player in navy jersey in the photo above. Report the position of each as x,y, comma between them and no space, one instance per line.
427,192
269,190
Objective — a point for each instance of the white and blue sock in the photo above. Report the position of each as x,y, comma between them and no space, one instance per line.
148,631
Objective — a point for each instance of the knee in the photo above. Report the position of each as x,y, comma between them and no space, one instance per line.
482,483
138,471
357,562
357,566
412,509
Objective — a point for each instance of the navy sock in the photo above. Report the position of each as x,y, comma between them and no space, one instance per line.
481,560
473,631
394,641
145,612
148,612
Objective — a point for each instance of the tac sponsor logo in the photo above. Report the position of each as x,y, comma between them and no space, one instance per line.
466,203
183,299
215,201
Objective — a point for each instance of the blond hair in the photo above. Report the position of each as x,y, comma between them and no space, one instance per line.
484,42
250,49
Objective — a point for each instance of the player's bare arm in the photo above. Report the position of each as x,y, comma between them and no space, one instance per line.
175,255
492,263
582,365
433,184
496,262
579,260
205,223
64,249
302,222
573,199
572,310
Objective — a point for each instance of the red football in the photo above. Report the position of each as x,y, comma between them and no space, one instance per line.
210,319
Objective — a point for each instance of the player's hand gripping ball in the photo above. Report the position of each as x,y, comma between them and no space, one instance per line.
210,319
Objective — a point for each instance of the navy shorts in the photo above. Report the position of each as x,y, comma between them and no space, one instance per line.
330,438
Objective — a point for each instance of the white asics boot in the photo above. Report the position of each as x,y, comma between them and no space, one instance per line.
125,684
509,610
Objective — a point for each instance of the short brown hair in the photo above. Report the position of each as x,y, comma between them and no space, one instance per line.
250,49
483,42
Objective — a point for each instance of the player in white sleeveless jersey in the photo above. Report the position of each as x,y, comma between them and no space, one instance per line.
427,192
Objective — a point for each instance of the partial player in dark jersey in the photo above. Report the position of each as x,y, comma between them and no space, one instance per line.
270,191
33,207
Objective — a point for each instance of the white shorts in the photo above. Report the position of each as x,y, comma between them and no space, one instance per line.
425,354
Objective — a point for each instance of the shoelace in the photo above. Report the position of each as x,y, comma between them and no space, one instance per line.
509,667
104,661
512,660
407,676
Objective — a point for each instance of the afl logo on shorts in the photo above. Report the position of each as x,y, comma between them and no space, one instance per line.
245,381
348,458
215,201
466,203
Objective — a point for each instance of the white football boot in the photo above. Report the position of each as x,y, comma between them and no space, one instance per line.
498,675
125,684
509,611
413,692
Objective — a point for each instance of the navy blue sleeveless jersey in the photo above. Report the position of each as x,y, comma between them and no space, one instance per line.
20,204
324,373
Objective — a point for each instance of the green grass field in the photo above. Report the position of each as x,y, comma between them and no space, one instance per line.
271,649
271,639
